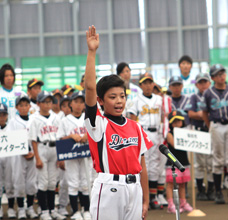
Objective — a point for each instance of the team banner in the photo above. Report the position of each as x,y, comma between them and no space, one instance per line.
13,143
193,141
68,149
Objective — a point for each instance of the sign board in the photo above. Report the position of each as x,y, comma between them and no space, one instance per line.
68,149
13,143
193,141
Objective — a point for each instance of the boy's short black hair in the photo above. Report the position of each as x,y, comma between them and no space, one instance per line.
3,70
120,67
185,58
108,82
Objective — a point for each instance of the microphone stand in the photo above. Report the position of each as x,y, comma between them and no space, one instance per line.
175,194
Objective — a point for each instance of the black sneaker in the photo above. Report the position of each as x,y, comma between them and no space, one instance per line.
211,195
201,196
219,199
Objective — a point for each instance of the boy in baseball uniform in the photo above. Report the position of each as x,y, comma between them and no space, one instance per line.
72,126
6,169
43,135
23,166
57,93
215,115
147,109
117,145
203,162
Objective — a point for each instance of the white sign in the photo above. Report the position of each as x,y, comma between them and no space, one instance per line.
13,143
191,140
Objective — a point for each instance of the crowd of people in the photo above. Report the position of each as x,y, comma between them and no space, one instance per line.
124,125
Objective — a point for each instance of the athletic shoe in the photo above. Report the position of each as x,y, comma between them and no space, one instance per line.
21,213
45,215
219,199
201,196
186,207
162,200
172,209
211,195
76,216
87,216
154,204
38,210
57,216
11,213
1,213
63,211
31,213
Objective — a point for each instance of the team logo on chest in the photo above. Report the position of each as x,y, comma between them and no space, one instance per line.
118,143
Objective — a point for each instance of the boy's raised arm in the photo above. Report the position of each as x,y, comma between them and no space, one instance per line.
92,39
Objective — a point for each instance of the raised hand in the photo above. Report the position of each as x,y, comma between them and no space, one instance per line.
92,38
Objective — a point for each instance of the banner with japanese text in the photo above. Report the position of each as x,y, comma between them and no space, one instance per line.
193,141
13,143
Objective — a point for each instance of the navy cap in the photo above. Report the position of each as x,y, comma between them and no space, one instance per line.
22,97
216,68
77,94
3,108
43,95
65,98
175,79
203,76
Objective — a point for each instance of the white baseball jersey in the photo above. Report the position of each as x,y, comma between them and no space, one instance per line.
34,108
60,114
77,179
8,98
23,171
189,87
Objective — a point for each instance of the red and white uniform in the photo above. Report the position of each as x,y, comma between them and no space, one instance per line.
115,149
77,179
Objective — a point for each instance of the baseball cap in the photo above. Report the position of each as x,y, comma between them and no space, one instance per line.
175,79
3,108
64,98
22,97
57,91
175,115
202,76
43,95
66,89
77,94
34,82
216,68
144,77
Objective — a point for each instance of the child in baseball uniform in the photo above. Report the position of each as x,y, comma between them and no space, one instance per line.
43,135
215,115
147,110
176,119
64,105
203,162
23,166
6,169
117,145
72,126
56,106
33,89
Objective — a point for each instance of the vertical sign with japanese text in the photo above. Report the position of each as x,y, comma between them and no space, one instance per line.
193,141
13,143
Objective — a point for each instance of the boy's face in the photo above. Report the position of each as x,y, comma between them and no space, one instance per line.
177,123
147,87
126,74
46,105
185,67
23,108
220,77
114,101
78,105
34,91
8,79
3,119
65,108
203,85
176,89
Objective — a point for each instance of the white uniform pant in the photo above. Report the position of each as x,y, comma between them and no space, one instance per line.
219,144
155,161
6,176
203,162
76,177
24,176
116,200
47,176
63,189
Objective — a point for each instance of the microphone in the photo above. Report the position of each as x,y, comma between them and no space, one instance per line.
164,150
